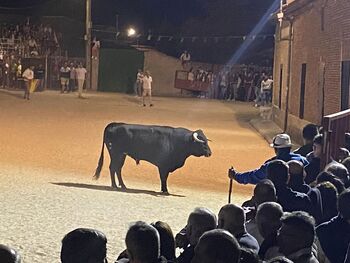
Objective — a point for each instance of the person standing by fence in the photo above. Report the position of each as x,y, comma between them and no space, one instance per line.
80,73
147,88
28,76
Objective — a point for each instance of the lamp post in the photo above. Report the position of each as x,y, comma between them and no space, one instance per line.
88,26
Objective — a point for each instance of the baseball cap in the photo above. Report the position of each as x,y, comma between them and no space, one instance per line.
281,141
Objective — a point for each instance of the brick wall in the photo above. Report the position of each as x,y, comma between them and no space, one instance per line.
321,39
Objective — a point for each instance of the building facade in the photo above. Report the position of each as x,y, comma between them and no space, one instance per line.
312,62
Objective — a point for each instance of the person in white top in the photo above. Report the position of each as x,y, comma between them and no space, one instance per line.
28,76
138,84
147,88
185,58
266,89
80,73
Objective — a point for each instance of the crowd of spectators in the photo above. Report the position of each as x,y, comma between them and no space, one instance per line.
293,216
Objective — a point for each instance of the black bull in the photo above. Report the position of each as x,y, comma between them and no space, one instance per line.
165,147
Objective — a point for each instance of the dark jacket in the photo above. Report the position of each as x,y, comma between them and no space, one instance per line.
269,242
248,241
312,170
293,201
334,237
304,150
255,176
187,255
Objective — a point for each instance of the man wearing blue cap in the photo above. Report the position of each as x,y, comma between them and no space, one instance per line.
282,146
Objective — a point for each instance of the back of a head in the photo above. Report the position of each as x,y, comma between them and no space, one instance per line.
309,132
200,221
346,163
143,243
268,217
329,198
167,240
280,260
264,191
232,219
9,255
296,169
339,170
343,204
329,177
84,245
278,172
217,246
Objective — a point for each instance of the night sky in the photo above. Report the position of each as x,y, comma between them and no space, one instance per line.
203,18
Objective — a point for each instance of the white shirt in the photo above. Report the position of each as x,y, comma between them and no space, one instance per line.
28,74
147,82
266,85
185,57
80,73
139,77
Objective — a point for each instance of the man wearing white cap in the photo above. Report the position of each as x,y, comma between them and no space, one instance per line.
282,145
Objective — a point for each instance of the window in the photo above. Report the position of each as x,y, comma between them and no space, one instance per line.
345,84
280,87
302,91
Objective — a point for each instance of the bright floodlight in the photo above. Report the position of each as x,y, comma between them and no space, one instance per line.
131,32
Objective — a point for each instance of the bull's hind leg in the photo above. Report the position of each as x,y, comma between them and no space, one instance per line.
120,163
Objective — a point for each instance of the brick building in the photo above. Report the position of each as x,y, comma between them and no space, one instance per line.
314,39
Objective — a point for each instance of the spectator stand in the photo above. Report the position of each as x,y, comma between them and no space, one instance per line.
334,128
183,82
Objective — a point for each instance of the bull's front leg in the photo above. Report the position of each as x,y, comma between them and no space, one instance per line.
163,179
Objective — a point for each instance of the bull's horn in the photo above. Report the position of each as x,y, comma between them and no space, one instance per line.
195,137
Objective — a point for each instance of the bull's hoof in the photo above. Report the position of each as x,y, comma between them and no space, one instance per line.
114,186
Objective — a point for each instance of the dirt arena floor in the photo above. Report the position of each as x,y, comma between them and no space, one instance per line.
49,148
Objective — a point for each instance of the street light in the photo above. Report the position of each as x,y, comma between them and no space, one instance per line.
131,32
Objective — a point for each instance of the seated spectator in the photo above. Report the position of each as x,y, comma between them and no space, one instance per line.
217,246
339,170
297,183
296,177
232,219
199,221
268,218
84,245
314,158
9,255
329,198
309,133
142,244
329,177
334,235
296,237
264,192
282,146
167,241
278,173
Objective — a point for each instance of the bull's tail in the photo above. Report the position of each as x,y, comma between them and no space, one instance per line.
100,161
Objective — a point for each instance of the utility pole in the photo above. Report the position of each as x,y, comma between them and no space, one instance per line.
88,44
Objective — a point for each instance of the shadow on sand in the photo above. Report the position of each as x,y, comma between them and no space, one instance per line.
108,188
14,93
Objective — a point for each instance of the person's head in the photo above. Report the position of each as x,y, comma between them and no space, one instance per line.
343,205
278,172
317,145
139,70
217,246
232,219
147,73
248,256
142,243
297,232
309,133
199,221
296,172
65,64
32,67
329,196
329,177
167,240
346,163
343,153
280,259
264,191
339,170
71,64
281,143
84,245
9,255
268,218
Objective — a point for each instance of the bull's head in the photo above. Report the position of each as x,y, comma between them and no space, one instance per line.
200,144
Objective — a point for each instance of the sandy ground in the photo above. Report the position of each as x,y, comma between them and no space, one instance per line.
49,147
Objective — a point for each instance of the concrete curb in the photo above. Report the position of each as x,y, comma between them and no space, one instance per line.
266,128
